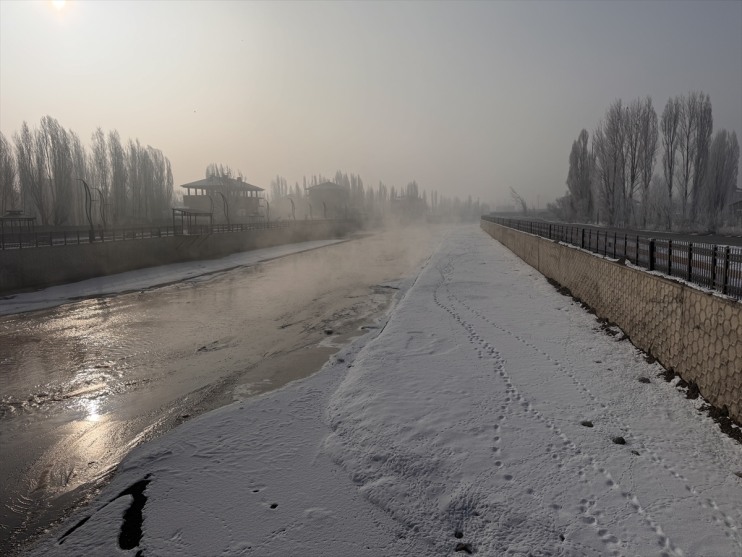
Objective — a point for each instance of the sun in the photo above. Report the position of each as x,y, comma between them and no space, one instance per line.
58,4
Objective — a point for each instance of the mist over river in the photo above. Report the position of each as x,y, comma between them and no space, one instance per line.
84,383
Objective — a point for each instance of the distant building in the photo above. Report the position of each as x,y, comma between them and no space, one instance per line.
229,199
329,200
408,208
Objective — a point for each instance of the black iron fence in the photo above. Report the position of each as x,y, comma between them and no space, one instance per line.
713,266
34,239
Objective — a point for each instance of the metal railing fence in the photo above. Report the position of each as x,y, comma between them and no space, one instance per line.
27,240
714,266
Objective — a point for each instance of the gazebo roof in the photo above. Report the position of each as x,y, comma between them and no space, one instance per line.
217,183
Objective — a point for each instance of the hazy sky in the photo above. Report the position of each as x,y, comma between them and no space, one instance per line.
464,97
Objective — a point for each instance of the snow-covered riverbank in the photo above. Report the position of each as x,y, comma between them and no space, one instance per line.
490,415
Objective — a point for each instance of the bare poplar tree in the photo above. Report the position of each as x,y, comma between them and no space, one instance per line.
669,125
648,135
214,170
119,177
580,177
100,167
157,202
168,183
632,121
702,139
8,192
54,157
134,173
79,170
279,188
721,176
30,177
686,148
609,146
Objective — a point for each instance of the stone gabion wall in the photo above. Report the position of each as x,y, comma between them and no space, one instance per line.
696,334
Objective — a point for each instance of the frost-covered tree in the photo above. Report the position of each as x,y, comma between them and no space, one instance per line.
694,134
648,136
721,175
632,122
670,124
702,139
609,142
579,179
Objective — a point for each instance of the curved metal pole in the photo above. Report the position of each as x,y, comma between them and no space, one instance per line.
324,210
267,209
226,207
211,216
102,213
89,209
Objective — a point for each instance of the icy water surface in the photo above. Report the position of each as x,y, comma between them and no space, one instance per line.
84,383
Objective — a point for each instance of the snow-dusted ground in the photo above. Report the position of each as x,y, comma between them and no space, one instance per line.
147,278
455,427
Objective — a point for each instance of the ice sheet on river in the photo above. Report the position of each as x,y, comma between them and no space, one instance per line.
151,277
482,418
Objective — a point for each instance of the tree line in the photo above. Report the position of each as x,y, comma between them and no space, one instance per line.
42,171
384,203
639,169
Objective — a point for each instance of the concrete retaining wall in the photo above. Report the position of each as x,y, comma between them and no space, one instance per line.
39,267
696,334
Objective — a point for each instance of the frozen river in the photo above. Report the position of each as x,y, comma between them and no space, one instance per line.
85,382
489,415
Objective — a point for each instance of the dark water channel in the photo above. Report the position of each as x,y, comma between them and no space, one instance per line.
84,383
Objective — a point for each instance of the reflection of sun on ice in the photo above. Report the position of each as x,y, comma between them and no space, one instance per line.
92,410
58,4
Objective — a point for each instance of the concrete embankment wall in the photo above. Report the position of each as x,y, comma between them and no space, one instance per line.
696,334
39,267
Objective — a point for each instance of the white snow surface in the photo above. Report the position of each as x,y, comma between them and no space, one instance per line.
461,415
150,277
